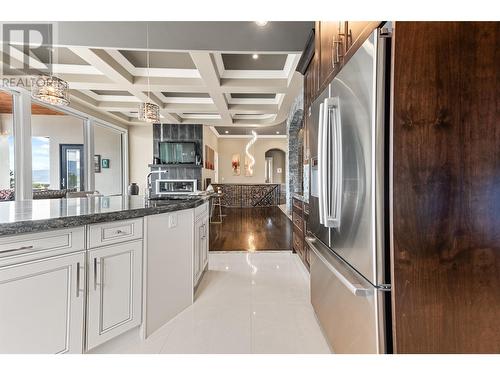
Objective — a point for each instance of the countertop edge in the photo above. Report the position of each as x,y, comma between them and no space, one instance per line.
33,226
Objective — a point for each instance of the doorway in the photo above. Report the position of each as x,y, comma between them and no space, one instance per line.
72,167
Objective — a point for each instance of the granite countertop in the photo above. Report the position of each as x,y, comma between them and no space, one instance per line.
300,197
18,217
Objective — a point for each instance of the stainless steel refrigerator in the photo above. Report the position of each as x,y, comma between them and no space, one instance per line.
348,221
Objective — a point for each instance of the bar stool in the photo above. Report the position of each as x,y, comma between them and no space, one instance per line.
216,201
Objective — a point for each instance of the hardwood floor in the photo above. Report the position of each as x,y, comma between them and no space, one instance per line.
252,229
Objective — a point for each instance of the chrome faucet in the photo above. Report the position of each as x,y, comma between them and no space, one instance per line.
149,183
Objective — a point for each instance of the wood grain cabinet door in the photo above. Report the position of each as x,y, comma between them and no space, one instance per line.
446,201
328,33
356,35
42,306
114,291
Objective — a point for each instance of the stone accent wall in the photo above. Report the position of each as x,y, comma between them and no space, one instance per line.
295,149
178,132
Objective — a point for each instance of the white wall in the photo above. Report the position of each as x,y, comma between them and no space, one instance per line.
279,157
209,139
230,146
140,154
108,144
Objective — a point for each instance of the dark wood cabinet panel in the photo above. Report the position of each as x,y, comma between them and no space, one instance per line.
338,41
299,229
357,33
328,34
446,192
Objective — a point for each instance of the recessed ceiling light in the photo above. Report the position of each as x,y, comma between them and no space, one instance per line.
261,23
227,131
255,56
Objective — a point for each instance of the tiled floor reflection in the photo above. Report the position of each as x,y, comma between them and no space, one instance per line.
247,303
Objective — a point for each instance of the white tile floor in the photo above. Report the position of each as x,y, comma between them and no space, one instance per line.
246,303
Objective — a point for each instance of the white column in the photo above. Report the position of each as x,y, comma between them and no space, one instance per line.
22,146
88,147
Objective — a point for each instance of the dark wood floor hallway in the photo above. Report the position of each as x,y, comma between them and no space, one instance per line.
252,229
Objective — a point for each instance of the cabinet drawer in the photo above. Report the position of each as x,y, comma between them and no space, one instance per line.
306,208
297,204
26,247
298,222
298,244
114,232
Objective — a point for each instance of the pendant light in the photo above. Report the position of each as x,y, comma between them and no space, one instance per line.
148,111
250,157
50,89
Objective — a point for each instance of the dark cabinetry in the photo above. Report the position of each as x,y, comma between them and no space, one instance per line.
335,42
300,212
446,201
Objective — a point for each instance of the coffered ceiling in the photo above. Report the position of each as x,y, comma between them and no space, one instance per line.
236,88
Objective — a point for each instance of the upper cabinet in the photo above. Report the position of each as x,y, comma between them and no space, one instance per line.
331,49
334,43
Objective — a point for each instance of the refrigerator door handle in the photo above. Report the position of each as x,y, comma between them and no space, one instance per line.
326,144
354,283
321,190
334,156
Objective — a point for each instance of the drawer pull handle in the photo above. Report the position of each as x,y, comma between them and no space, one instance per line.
17,249
119,231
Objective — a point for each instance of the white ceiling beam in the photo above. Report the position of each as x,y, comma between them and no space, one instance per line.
207,67
84,97
83,106
293,90
244,85
253,108
190,107
115,71
108,66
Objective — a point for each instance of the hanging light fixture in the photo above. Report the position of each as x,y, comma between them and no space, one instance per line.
148,111
250,158
50,89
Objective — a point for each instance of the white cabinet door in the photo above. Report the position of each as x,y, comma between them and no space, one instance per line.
204,252
42,305
198,239
114,291
169,267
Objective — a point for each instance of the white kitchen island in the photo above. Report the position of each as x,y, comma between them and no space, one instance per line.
75,273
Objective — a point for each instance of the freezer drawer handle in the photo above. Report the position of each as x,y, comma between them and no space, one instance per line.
352,285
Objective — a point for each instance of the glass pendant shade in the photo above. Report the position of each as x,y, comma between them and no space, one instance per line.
50,89
149,112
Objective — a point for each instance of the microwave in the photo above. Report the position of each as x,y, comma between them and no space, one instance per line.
163,187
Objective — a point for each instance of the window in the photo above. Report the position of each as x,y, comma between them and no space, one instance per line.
7,165
40,148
